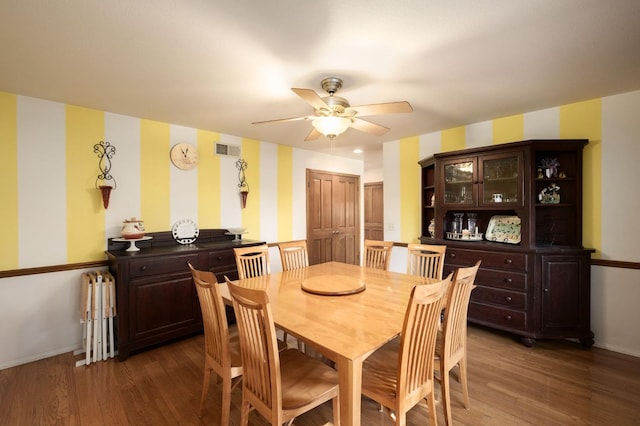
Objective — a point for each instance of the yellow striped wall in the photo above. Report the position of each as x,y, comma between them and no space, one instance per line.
508,129
54,213
285,193
584,120
84,208
154,175
9,180
410,189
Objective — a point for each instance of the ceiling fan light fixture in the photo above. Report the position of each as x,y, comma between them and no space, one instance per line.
331,125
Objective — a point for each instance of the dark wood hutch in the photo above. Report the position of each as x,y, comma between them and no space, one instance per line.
156,299
534,283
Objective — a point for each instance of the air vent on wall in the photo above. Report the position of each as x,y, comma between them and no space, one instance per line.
227,150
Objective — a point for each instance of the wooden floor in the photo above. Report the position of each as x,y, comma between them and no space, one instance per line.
553,383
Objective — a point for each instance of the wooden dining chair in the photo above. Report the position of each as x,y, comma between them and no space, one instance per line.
400,374
278,385
222,346
252,261
426,260
377,254
294,255
451,343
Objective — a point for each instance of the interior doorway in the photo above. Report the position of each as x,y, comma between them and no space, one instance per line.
374,211
333,217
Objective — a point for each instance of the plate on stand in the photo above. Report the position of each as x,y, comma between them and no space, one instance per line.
185,231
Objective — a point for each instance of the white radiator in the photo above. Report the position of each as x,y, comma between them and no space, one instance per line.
97,310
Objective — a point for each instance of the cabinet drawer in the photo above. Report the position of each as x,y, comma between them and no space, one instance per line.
162,265
501,279
501,317
491,260
222,260
508,299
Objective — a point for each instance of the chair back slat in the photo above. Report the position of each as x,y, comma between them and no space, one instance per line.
214,317
294,255
259,349
426,260
417,345
252,261
454,329
377,254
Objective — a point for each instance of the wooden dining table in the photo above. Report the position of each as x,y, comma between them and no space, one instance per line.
343,311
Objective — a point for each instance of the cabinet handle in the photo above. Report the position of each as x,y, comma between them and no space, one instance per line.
546,290
453,255
508,261
507,317
143,268
508,280
508,298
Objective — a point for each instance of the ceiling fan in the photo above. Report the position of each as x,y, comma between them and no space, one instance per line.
333,115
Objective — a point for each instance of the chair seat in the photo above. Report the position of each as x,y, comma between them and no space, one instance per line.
304,379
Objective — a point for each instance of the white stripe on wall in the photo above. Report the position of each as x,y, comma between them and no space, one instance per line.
183,183
42,203
430,144
392,190
621,160
542,124
479,134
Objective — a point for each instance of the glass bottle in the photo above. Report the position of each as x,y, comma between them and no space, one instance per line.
472,223
456,226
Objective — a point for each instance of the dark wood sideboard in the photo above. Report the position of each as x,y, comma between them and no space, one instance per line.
156,299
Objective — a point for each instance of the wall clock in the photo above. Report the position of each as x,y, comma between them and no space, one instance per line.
184,156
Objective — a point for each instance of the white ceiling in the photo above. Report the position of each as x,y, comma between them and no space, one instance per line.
220,65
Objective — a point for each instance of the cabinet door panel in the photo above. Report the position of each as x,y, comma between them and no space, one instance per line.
157,305
501,179
460,182
564,299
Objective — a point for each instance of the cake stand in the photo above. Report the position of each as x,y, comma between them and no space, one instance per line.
132,242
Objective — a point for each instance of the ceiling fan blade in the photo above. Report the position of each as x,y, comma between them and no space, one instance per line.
379,109
313,135
306,117
369,127
312,98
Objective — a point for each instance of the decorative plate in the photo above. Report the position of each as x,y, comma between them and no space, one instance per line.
185,231
504,229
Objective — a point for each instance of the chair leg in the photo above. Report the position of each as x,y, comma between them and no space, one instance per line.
446,398
205,389
431,404
463,381
336,411
226,400
244,413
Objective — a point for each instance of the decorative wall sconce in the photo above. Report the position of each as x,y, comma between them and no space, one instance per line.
105,152
242,165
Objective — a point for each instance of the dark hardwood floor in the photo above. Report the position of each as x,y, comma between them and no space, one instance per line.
553,383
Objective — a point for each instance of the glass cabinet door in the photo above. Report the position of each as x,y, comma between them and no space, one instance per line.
459,178
502,176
